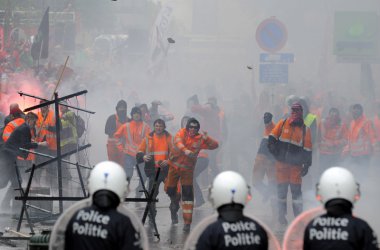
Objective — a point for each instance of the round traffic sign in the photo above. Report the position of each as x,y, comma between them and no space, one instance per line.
271,35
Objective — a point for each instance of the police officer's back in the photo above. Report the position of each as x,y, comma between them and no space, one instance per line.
100,225
338,229
232,230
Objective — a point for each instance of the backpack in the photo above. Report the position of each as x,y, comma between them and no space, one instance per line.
80,125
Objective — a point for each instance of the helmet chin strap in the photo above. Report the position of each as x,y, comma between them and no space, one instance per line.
338,207
231,212
105,199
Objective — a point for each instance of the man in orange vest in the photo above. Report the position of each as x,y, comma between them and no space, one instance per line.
16,119
200,167
332,137
154,151
182,159
45,132
130,136
21,137
265,164
361,142
113,123
290,143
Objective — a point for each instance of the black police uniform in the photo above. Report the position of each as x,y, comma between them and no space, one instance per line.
339,230
93,228
244,233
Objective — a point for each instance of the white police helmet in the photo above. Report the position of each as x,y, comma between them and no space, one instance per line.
337,183
229,187
108,175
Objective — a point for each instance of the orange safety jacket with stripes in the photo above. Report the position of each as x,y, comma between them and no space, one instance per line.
361,137
11,126
292,143
183,142
130,136
8,130
157,146
42,132
331,139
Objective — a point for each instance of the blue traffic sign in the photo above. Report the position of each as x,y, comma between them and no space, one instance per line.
274,73
271,35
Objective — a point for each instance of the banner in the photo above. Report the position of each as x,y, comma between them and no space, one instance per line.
158,44
40,46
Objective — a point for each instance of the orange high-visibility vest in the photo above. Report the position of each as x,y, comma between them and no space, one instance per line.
293,143
332,140
284,132
361,137
42,132
182,142
157,145
11,126
131,135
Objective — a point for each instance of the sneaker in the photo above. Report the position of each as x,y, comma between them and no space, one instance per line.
186,228
174,216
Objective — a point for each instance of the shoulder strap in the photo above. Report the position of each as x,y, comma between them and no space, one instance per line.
282,127
303,134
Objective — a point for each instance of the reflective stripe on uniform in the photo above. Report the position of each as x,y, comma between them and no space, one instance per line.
159,153
181,165
299,144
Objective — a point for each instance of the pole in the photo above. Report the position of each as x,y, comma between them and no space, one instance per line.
60,77
59,157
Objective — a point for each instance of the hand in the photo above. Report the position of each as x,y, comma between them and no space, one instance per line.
147,158
204,135
164,163
189,153
42,144
156,103
305,170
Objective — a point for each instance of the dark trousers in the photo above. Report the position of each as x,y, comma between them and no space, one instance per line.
201,166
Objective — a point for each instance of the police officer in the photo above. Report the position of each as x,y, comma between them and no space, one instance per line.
232,230
101,225
338,229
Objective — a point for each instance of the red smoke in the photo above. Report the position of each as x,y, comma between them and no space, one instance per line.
24,82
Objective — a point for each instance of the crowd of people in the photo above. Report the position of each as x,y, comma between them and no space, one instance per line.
300,138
